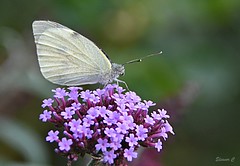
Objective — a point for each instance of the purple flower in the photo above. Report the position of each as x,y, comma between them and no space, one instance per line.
122,128
131,106
88,133
82,129
141,132
94,99
102,111
102,145
168,127
60,93
73,88
99,92
162,134
132,140
115,145
68,113
117,97
74,125
85,95
112,118
93,112
156,116
126,118
149,103
110,132
52,136
119,89
149,120
120,101
109,156
73,94
118,137
131,97
122,107
107,123
46,115
114,115
158,145
163,113
47,102
78,135
130,154
142,106
76,106
88,122
65,144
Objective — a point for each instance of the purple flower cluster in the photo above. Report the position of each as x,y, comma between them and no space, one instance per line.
106,123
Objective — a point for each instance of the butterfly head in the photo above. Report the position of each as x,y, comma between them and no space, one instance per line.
117,70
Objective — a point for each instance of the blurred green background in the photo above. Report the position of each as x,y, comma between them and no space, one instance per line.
196,78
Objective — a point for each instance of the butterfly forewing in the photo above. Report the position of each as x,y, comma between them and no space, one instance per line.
66,57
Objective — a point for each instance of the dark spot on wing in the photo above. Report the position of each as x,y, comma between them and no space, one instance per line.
74,34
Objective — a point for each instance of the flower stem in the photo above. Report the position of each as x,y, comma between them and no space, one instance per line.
96,162
69,163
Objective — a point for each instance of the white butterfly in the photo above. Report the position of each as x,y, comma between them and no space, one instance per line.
68,58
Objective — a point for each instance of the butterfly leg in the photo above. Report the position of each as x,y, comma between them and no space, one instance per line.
117,80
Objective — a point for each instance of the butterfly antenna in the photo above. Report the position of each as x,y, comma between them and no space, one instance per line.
140,59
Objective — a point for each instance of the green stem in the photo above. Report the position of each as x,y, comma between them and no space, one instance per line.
69,163
96,162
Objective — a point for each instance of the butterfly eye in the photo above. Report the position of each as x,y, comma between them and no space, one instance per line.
121,70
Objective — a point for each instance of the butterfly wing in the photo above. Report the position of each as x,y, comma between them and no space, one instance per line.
66,57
